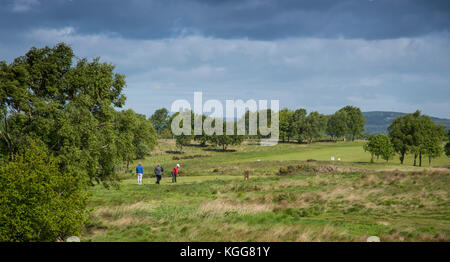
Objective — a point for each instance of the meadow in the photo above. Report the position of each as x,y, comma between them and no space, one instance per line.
295,193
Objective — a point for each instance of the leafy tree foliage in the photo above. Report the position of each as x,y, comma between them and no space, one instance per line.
225,140
203,138
447,149
298,124
166,133
380,145
183,140
39,201
285,124
337,124
416,134
301,126
447,146
428,138
136,135
314,126
68,107
355,121
400,131
160,120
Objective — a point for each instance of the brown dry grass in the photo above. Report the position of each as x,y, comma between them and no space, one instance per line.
220,207
121,215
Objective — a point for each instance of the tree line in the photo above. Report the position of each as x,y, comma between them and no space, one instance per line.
162,122
60,132
294,125
346,122
413,134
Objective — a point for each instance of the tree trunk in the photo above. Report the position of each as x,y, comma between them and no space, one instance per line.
402,157
429,160
415,158
420,159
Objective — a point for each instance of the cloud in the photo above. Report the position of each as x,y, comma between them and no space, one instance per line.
315,73
24,5
259,20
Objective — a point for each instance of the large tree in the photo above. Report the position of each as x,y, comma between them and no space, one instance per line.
160,120
427,138
416,134
355,120
400,131
60,132
69,107
285,124
337,124
298,124
315,125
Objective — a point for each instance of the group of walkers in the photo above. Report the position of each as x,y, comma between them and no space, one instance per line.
158,172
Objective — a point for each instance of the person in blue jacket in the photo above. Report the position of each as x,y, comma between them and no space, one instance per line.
140,173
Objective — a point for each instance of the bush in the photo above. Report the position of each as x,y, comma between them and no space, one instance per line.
283,171
39,202
447,149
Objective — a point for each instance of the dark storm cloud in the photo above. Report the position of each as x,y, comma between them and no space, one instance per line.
368,19
319,54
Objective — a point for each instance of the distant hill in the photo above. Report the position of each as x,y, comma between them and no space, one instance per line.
378,121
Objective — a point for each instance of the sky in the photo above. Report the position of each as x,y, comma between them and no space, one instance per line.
379,55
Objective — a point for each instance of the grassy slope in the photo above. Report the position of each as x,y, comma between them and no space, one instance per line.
211,202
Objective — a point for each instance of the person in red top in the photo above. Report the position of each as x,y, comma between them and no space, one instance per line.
175,173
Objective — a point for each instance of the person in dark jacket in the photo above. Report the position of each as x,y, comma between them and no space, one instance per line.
158,172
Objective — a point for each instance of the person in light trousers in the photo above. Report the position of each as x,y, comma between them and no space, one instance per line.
140,173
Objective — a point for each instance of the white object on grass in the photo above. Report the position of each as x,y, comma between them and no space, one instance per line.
373,239
332,158
73,239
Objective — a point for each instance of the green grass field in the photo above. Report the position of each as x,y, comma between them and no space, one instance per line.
321,200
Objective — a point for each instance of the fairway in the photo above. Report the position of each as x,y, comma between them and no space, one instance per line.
211,201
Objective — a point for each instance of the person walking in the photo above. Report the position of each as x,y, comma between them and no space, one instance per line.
158,172
175,173
140,173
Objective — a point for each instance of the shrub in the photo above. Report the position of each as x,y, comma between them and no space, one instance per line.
283,171
39,202
291,169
